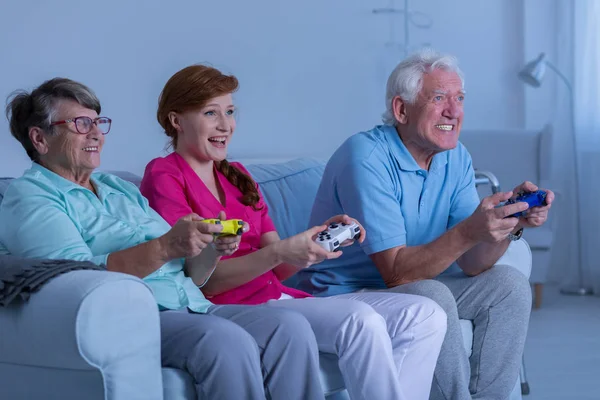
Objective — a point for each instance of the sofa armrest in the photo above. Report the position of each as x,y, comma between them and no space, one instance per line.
487,178
517,255
87,320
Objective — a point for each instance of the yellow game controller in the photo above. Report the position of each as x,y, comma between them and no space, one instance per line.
230,226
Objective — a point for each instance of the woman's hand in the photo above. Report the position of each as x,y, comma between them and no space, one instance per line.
302,251
343,218
188,237
227,245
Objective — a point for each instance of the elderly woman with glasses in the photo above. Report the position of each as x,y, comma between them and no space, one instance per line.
61,208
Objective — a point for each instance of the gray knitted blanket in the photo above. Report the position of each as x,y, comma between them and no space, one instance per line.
20,277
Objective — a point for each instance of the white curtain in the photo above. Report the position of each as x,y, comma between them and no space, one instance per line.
564,262
578,58
586,90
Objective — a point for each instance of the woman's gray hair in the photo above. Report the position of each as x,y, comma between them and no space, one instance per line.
25,110
406,81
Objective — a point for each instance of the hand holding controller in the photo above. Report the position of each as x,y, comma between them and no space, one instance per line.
230,226
534,199
332,238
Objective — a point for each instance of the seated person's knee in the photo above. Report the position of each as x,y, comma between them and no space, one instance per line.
362,313
437,319
292,326
510,282
439,293
223,342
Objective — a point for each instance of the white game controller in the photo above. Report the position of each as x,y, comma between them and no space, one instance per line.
332,238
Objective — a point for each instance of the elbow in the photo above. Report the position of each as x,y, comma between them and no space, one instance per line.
469,268
208,293
474,271
402,273
391,282
398,273
394,279
214,287
209,290
396,267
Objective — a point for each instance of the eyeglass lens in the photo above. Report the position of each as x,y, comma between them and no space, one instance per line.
85,124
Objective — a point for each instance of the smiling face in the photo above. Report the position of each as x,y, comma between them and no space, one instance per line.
433,123
66,151
205,133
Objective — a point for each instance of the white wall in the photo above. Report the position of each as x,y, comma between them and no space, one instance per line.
312,72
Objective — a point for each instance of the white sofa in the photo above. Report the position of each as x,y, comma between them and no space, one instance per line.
95,335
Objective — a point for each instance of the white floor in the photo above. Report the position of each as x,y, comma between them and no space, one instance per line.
562,353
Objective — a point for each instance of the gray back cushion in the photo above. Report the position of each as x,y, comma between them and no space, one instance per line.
126,175
289,190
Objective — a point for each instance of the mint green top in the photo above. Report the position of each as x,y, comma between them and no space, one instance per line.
46,216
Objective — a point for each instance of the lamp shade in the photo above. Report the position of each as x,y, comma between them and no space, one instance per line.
533,72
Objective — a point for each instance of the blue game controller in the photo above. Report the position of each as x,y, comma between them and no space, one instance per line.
534,199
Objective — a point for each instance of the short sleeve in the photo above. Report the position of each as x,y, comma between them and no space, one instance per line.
465,199
366,192
165,190
36,225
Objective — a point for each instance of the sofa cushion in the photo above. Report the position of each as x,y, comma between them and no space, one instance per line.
289,190
177,384
466,327
4,182
126,175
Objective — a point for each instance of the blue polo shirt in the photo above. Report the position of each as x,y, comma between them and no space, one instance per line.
373,177
46,216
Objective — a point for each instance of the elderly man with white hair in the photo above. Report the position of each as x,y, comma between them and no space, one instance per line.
412,185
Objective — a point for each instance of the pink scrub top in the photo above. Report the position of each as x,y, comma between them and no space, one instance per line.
174,190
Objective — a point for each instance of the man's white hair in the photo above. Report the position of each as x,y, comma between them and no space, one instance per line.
406,81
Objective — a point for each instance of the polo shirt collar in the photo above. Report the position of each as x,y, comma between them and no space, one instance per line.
65,185
103,189
405,160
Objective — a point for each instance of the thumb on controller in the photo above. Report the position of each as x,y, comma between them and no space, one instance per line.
314,231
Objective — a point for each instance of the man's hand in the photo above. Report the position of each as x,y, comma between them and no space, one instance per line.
535,216
489,223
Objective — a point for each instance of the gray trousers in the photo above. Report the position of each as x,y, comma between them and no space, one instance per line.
243,352
498,302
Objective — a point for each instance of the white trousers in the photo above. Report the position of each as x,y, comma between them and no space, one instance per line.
387,343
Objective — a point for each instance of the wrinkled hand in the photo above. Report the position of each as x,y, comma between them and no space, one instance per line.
535,216
188,237
302,251
489,223
229,244
347,220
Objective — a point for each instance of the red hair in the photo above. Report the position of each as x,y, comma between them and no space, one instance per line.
190,89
